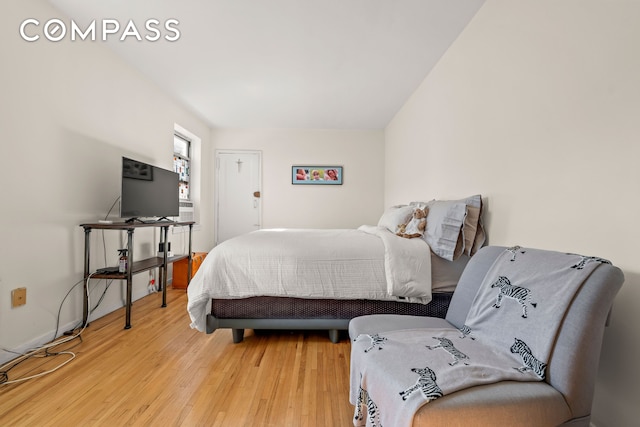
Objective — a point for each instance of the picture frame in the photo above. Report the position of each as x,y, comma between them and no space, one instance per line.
316,175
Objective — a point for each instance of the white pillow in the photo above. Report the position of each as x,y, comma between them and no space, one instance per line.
444,227
394,216
453,229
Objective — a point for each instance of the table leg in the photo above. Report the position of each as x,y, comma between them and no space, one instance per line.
127,324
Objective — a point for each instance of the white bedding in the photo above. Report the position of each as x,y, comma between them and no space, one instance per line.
365,263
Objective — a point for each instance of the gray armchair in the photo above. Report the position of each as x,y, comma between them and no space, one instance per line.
563,398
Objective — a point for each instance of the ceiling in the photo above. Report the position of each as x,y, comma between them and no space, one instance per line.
320,64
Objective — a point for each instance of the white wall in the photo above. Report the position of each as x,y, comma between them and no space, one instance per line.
536,107
68,112
358,201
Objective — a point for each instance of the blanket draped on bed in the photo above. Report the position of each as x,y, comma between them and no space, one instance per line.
368,263
508,335
407,268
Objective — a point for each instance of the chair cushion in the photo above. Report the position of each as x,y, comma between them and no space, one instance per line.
507,403
376,323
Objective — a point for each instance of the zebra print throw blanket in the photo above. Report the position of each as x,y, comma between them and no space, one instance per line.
508,335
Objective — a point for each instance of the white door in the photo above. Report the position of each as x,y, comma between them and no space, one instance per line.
238,197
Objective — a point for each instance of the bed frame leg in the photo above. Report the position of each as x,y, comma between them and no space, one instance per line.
212,324
334,335
238,335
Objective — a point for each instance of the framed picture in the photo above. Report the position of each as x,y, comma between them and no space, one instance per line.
316,175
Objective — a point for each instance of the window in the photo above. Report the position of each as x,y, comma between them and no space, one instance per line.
187,163
182,165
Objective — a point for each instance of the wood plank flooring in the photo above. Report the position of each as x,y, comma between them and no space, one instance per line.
163,373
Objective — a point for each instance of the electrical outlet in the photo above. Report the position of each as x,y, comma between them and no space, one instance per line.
18,297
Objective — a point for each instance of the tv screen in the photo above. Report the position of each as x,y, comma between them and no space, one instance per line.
147,191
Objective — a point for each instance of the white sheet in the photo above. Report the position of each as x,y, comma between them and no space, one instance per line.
312,263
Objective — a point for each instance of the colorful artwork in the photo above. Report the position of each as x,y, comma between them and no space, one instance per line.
316,175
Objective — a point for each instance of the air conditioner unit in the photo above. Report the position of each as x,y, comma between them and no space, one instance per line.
186,212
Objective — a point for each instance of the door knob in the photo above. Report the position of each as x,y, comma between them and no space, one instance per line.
256,194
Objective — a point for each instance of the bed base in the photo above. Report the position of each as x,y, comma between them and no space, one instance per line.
237,326
309,314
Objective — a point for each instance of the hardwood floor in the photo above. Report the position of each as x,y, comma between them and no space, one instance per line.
163,373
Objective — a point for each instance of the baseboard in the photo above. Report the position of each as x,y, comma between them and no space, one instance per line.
43,339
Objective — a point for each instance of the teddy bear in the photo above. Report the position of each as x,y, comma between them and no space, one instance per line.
416,225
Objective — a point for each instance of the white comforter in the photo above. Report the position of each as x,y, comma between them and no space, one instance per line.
365,263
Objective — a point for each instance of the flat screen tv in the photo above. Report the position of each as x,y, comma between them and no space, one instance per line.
147,191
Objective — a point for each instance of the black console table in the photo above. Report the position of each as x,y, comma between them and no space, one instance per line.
133,267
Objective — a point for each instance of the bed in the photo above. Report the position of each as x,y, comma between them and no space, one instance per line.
322,278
